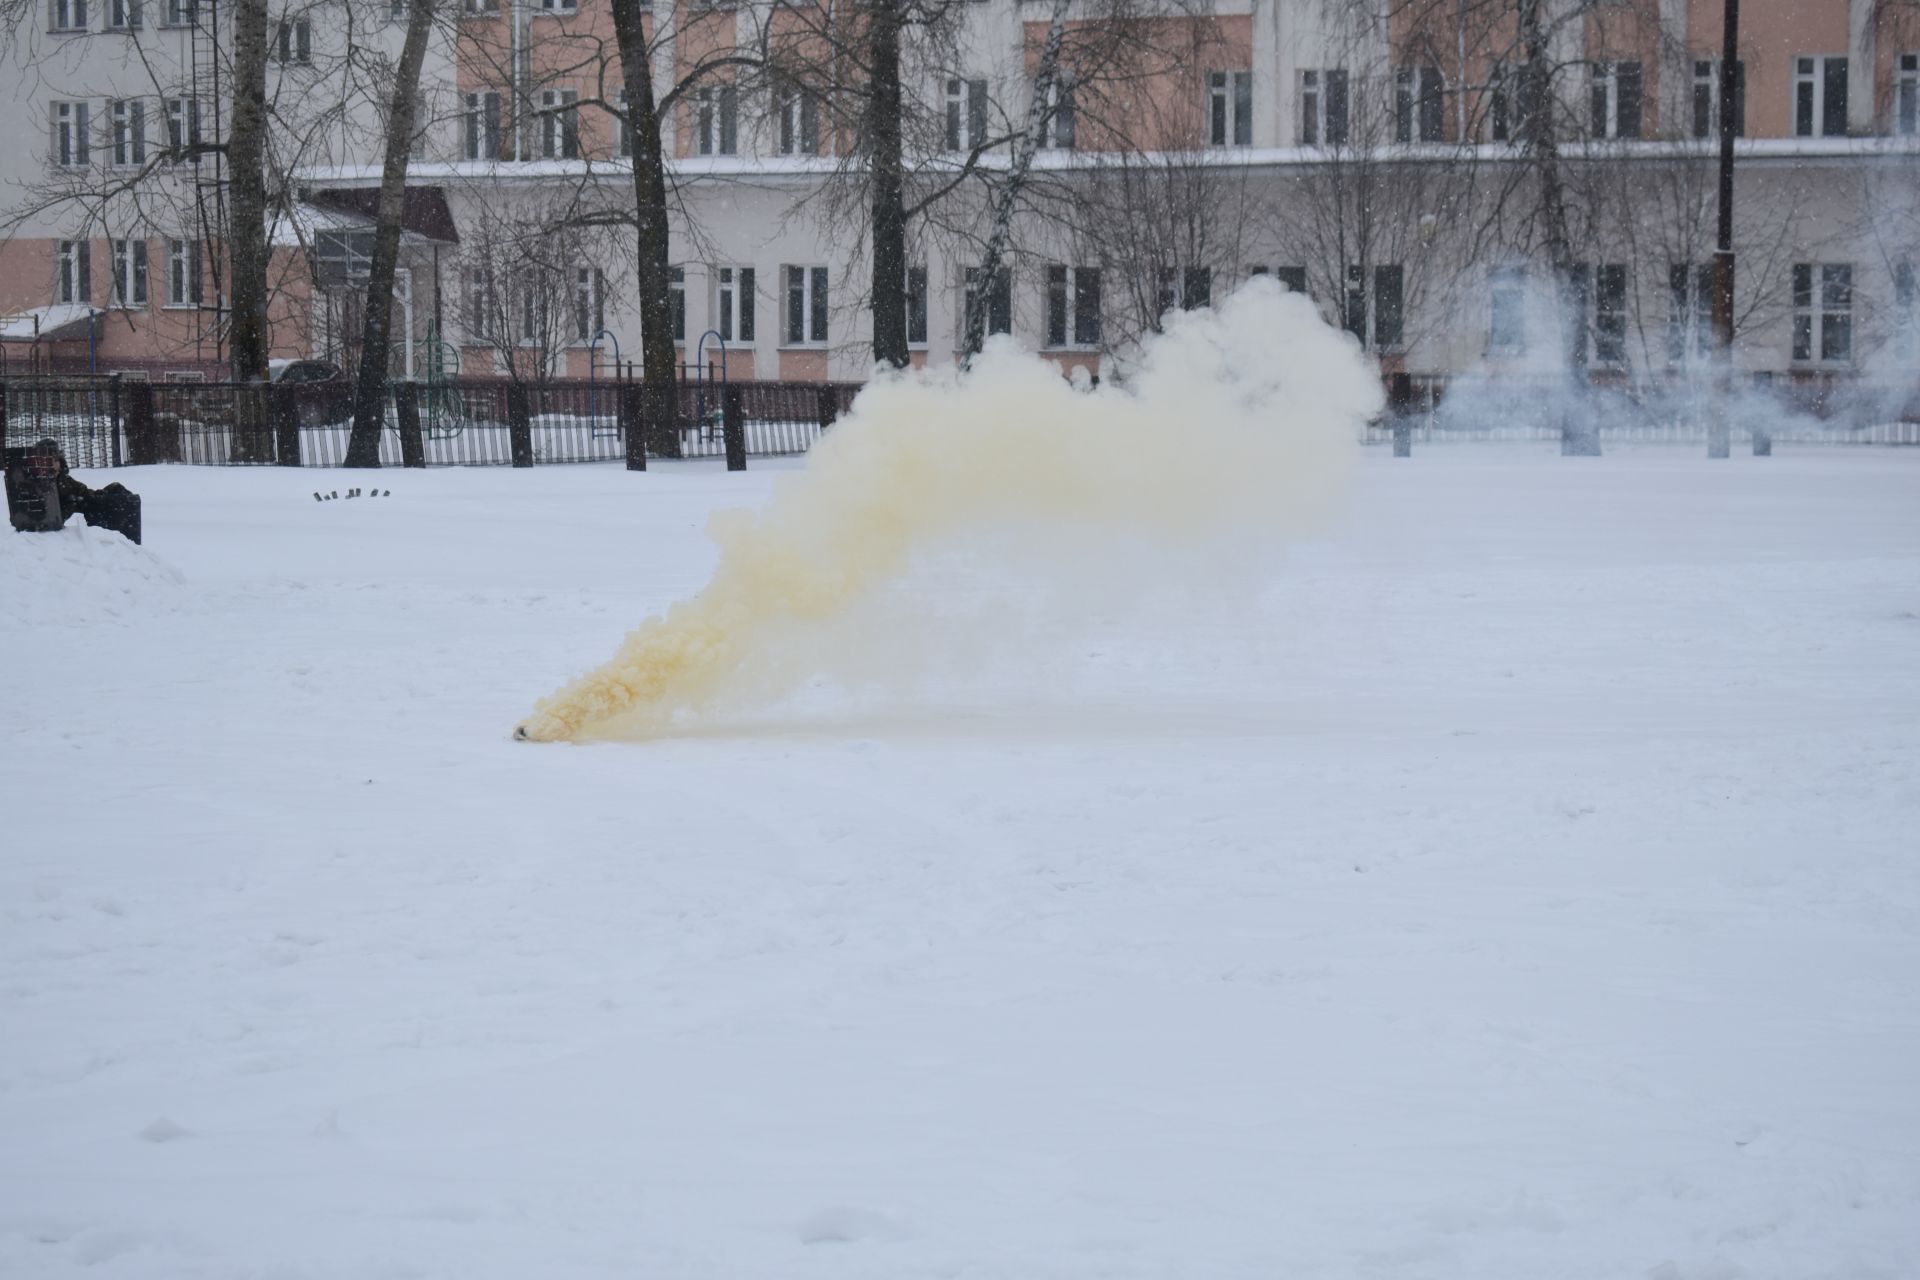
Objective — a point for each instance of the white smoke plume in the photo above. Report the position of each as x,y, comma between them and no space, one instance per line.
1236,424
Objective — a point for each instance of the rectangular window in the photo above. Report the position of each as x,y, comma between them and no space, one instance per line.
999,302
130,273
183,129
1819,97
129,116
479,6
1610,314
559,6
293,42
717,120
798,122
966,114
482,126
342,257
1836,311
68,15
917,306
806,306
181,13
589,303
72,145
73,271
1353,311
1615,100
1904,310
1294,278
183,273
1706,97
1230,108
559,124
1507,327
483,306
1389,306
677,302
1323,108
1073,306
623,130
125,15
733,304
1418,100
1906,95
1689,311
1057,125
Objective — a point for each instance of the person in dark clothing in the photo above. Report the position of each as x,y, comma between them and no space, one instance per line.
42,493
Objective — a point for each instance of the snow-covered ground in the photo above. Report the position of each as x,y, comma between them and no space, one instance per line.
1519,880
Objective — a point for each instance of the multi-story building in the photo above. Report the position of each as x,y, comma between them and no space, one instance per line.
1375,154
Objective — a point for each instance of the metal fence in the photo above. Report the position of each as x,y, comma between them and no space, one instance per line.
104,422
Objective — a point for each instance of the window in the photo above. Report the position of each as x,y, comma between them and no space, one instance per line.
1056,127
422,123
966,114
71,143
183,273
342,257
589,303
1507,327
73,271
1323,108
733,304
129,273
1610,314
1187,289
479,6
1819,97
917,306
717,120
483,305
1615,100
1906,94
806,306
482,126
181,13
1418,98
125,15
183,129
68,15
1825,318
798,122
1377,317
1295,278
1904,299
1706,96
677,302
1689,310
999,303
1073,306
1507,119
558,6
532,313
1230,108
129,116
559,124
623,130
293,43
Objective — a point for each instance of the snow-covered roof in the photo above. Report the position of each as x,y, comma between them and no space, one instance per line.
59,322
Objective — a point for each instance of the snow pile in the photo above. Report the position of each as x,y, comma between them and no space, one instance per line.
1235,430
80,574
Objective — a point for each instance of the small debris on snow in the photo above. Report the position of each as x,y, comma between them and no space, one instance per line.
163,1130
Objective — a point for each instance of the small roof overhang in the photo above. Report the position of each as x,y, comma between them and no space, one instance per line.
60,322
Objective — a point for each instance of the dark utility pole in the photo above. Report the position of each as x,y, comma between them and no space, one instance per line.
1718,428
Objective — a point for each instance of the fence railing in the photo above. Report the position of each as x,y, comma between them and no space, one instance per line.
105,422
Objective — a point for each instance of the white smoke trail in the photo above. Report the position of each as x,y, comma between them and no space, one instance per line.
1237,423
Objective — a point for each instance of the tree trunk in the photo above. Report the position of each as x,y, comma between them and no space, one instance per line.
376,324
247,230
889,283
658,357
1024,150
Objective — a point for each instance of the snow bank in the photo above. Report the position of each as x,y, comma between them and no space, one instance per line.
1234,430
81,574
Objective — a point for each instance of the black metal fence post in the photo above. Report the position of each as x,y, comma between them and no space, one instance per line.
633,426
519,426
406,405
283,405
113,426
733,428
829,407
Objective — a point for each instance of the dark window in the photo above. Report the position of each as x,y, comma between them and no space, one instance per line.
916,306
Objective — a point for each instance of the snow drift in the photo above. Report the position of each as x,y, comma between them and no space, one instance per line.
80,574
1236,424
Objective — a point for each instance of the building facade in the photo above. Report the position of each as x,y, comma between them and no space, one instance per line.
1375,154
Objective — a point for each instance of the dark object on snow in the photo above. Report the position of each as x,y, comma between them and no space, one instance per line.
42,494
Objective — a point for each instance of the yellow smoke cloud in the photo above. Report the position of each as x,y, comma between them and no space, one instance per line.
1237,420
